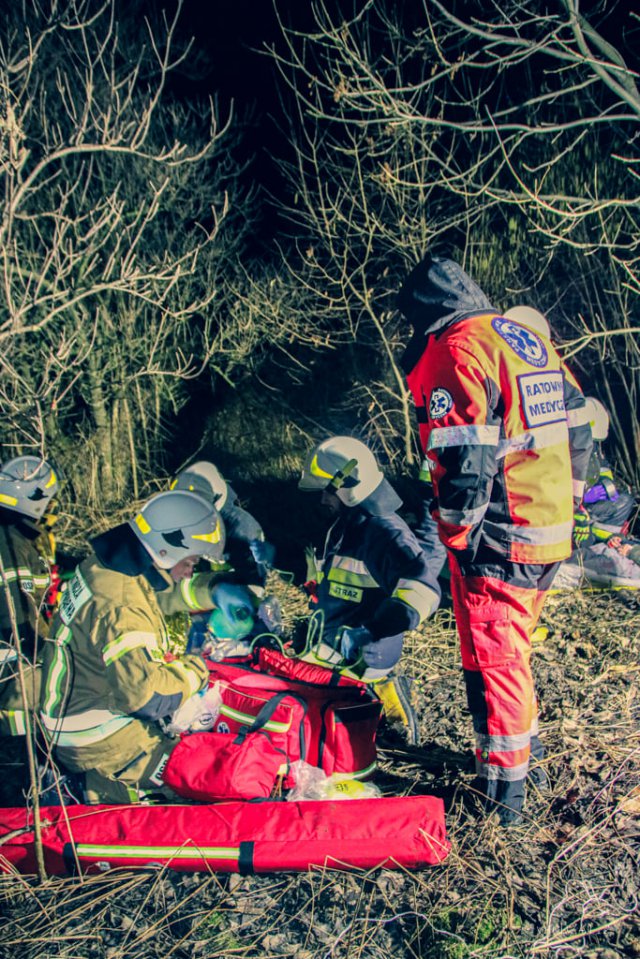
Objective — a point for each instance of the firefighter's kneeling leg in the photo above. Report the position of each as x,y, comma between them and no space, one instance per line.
13,717
127,767
139,781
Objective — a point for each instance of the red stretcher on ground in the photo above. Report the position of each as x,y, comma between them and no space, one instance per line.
242,837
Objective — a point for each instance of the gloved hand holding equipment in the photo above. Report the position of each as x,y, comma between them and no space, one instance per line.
581,526
358,642
198,713
352,640
233,616
198,634
600,492
383,653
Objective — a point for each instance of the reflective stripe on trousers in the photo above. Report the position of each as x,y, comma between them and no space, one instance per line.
495,620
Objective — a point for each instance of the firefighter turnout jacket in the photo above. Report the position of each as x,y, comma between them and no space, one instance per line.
242,529
373,573
108,676
24,581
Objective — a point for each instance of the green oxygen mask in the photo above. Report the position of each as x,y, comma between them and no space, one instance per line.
236,623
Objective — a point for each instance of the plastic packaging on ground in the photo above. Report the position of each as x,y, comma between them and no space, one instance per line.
312,782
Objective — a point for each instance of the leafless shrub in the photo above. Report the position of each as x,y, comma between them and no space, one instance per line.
506,136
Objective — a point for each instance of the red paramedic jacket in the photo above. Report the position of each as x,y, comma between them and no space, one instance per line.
494,403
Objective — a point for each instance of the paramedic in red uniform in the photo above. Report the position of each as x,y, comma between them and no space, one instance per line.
507,442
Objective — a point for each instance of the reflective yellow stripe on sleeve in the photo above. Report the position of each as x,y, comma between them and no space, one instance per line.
351,572
128,641
55,678
416,595
17,721
188,592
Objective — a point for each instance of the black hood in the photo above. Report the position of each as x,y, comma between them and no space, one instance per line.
121,550
434,295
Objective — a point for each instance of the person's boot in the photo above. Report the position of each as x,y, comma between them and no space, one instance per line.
537,774
60,788
395,693
504,798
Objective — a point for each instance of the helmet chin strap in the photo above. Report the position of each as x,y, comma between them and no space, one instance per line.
342,475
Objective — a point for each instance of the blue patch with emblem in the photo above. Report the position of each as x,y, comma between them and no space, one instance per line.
440,403
525,343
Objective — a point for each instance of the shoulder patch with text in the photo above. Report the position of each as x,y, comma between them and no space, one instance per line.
75,595
440,403
542,398
525,343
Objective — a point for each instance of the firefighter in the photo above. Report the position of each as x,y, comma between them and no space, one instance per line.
28,485
494,405
373,582
247,552
244,611
109,680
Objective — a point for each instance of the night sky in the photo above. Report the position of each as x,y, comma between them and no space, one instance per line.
230,37
229,32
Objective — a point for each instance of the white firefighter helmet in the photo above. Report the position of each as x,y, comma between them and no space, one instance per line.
531,318
344,465
204,478
598,418
27,485
176,524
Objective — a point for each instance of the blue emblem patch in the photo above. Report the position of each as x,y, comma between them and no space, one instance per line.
440,403
525,343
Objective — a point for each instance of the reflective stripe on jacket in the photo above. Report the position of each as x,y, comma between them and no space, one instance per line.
492,401
104,663
374,574
26,573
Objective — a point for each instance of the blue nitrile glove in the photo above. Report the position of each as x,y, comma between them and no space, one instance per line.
352,640
595,494
262,552
197,634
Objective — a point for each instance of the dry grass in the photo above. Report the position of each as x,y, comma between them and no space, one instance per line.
564,884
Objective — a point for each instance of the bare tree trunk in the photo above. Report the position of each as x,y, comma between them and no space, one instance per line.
33,772
104,486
